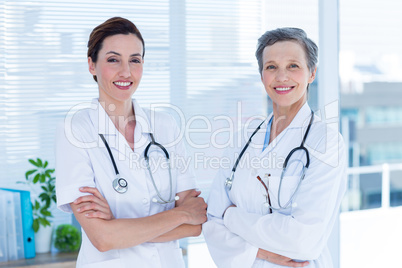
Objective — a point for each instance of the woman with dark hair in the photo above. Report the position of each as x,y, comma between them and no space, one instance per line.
113,166
280,210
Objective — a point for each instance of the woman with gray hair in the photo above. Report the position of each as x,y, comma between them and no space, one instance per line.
280,210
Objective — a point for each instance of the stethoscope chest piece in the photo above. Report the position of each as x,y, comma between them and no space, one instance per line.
229,182
120,185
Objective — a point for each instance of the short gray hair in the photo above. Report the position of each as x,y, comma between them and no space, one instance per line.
288,34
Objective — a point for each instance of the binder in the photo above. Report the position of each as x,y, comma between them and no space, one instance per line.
15,243
27,223
3,230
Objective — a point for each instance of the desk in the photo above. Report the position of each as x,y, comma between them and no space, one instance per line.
45,260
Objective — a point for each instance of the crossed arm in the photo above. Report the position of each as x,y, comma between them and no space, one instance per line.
95,207
106,233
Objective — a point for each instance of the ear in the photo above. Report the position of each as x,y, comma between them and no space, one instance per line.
91,66
312,76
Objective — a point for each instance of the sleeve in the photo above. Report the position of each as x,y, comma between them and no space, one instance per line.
185,173
73,167
226,248
303,234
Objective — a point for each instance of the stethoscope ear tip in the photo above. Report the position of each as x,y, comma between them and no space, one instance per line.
176,198
154,200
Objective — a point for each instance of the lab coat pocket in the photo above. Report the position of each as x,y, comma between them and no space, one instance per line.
161,172
104,264
173,257
282,192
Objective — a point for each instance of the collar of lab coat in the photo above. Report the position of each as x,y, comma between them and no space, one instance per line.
105,126
301,120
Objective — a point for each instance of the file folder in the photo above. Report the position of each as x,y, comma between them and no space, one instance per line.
3,230
15,243
27,223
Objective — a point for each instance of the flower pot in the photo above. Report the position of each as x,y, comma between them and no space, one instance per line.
43,239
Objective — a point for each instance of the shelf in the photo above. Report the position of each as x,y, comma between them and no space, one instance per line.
45,260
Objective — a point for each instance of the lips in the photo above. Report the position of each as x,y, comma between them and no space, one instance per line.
283,89
123,84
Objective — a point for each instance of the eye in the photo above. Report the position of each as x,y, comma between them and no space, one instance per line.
135,60
270,67
293,65
111,60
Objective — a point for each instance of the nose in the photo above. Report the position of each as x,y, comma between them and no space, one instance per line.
281,75
125,70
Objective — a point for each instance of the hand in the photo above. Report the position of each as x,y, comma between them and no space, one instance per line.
279,259
94,205
194,206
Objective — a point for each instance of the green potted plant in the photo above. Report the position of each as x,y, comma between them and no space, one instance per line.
42,175
67,238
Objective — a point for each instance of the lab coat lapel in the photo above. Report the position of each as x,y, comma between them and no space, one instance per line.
259,138
300,121
142,129
257,142
114,138
105,126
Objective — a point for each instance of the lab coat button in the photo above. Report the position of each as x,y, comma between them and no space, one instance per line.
145,201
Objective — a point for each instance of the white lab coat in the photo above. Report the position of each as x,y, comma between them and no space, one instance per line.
299,232
83,160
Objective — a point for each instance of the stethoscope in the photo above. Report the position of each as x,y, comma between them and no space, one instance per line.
229,181
120,184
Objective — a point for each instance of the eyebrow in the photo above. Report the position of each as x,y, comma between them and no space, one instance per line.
118,54
290,60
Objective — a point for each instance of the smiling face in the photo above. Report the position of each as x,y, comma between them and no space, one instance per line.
285,76
118,68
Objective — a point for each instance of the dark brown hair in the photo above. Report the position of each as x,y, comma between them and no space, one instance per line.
112,26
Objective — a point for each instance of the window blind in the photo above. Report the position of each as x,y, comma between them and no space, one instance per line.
199,57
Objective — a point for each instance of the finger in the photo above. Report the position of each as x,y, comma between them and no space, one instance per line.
88,206
194,193
297,264
91,190
92,206
84,199
91,199
99,215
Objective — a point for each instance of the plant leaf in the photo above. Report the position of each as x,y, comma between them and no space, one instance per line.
42,221
39,162
34,163
35,225
45,165
30,172
36,178
37,205
46,212
42,178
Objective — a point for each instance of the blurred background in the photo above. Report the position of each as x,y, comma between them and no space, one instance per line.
200,58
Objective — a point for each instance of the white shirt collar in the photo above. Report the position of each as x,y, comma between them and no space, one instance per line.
301,119
104,124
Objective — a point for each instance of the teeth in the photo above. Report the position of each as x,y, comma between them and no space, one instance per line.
283,88
122,84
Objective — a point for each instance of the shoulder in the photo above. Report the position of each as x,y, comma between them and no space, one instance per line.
326,144
76,123
326,130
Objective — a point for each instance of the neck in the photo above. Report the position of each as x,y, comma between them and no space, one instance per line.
121,113
283,116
